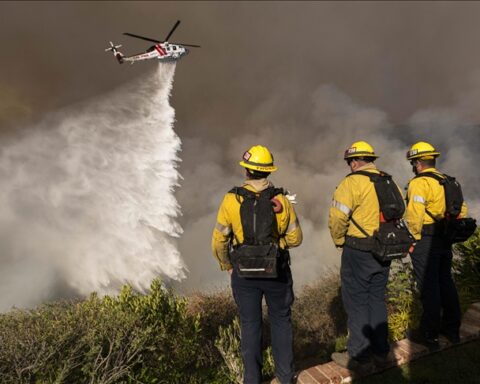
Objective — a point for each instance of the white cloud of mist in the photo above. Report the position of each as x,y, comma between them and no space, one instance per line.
87,197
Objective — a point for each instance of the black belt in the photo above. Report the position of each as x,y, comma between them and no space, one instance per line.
284,254
434,229
362,244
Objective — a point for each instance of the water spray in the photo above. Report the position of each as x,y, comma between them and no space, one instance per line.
87,200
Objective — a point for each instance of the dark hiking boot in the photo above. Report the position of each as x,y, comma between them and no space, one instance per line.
363,365
453,337
383,361
278,381
420,337
294,379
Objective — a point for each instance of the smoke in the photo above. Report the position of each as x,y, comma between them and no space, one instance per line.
307,137
306,146
87,197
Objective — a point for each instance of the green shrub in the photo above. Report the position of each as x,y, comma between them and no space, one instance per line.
403,302
171,334
130,338
162,338
341,343
39,345
228,343
215,310
466,267
403,305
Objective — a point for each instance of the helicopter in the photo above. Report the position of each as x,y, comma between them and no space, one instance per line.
162,50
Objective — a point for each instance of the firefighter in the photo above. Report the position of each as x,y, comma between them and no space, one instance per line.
354,214
229,236
432,255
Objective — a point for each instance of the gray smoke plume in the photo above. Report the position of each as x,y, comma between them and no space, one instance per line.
87,202
308,149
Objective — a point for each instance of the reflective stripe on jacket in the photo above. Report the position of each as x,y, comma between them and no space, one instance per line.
228,229
426,193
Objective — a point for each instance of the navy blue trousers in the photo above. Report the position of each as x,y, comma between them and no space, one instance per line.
432,266
278,293
364,282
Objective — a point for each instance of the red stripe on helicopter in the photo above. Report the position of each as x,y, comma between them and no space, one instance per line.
160,50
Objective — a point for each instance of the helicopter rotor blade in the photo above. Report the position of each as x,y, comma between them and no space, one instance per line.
188,45
172,30
141,37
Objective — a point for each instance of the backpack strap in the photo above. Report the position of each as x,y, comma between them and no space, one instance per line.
373,176
430,214
244,192
359,227
277,191
270,192
364,173
441,178
247,205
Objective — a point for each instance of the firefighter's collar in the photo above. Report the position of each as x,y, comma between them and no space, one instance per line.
366,167
259,185
432,169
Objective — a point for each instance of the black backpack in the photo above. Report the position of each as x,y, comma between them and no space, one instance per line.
257,256
455,230
393,239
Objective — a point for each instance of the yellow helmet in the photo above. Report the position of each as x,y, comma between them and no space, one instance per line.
359,149
422,150
258,158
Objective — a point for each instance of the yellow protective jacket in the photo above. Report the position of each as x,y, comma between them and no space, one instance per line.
228,229
355,198
426,193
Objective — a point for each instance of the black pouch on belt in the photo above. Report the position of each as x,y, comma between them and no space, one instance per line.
258,261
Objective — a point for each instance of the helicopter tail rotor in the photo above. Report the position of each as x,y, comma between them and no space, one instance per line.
116,52
113,47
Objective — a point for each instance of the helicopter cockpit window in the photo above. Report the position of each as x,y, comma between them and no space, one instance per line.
174,47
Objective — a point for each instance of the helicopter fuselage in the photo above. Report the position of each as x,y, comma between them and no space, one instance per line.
161,51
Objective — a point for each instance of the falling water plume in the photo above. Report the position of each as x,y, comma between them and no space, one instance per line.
87,200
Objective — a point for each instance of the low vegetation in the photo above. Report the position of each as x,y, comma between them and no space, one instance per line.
165,338
467,270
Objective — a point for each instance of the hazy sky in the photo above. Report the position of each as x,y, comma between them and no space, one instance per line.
397,56
304,78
